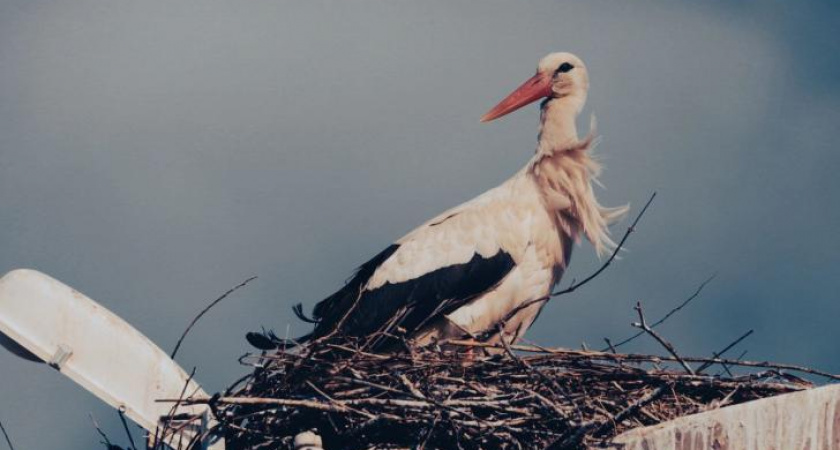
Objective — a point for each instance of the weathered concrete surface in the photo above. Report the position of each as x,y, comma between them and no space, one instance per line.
808,420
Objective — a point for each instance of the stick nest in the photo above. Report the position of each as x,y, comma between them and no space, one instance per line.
468,395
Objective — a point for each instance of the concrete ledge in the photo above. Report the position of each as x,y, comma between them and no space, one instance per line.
807,420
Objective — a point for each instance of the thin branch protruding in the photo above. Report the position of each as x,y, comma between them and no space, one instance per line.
720,353
204,311
6,435
670,313
668,346
121,412
102,434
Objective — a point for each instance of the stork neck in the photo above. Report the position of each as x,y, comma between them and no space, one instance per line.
558,128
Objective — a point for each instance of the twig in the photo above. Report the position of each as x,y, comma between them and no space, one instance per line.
160,433
647,329
600,427
332,401
204,311
425,440
670,313
311,404
6,435
724,401
632,409
630,230
410,394
107,441
339,405
725,349
410,386
738,358
635,357
552,384
121,412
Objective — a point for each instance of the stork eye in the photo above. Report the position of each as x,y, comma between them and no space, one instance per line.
565,67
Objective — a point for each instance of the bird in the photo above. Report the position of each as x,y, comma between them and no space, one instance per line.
481,268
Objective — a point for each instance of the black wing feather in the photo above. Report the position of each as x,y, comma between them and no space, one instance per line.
332,309
327,311
410,304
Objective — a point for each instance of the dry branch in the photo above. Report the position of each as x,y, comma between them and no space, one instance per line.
676,309
204,311
668,346
6,436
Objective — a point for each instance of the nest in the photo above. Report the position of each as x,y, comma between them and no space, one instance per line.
470,395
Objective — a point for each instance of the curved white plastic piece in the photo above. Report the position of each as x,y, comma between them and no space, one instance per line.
44,319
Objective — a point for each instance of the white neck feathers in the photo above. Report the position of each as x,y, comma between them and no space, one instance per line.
565,172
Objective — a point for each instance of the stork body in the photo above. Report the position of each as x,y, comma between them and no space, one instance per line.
461,273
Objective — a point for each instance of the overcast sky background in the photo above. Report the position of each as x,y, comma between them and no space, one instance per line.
154,154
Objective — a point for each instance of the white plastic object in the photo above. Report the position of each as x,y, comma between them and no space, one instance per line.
42,319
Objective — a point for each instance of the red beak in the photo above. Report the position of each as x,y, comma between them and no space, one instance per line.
535,88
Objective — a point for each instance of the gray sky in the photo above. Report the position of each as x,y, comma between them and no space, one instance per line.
154,154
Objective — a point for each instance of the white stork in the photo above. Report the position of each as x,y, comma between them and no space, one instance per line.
461,273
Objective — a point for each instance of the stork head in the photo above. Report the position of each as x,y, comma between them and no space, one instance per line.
560,77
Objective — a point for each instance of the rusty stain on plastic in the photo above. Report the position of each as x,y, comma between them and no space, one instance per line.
807,420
